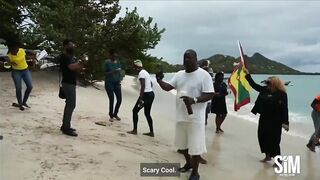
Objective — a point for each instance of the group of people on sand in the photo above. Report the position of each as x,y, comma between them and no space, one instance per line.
195,90
113,76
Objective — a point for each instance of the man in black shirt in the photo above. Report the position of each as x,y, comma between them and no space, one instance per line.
69,67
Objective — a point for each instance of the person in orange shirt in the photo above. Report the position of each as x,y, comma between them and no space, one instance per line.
17,59
314,139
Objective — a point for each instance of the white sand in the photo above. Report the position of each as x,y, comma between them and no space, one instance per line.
34,148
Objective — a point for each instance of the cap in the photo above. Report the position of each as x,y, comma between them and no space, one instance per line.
138,63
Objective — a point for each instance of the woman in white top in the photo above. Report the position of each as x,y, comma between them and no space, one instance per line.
145,99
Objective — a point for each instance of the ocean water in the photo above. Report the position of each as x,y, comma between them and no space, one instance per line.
301,92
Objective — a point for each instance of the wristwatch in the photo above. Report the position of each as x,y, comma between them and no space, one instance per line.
195,100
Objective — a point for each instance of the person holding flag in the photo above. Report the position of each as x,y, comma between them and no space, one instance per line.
272,105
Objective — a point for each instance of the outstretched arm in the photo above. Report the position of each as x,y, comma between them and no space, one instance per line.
165,86
254,85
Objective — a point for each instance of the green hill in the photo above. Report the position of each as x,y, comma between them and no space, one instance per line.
257,64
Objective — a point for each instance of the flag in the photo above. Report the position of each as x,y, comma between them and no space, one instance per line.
238,83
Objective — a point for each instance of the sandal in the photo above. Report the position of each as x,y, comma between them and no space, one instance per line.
26,105
15,105
203,161
151,134
132,132
18,106
185,168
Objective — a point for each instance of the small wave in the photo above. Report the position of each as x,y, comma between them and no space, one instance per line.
297,117
297,121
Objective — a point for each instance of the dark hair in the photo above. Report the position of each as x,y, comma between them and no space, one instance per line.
66,42
13,44
218,74
112,51
193,52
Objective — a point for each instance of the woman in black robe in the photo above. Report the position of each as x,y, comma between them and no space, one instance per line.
272,105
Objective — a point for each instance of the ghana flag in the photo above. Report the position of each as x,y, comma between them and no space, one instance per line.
238,83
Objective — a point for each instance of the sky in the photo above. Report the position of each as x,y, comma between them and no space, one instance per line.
285,31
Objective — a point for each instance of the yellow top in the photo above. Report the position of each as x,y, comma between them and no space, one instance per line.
19,61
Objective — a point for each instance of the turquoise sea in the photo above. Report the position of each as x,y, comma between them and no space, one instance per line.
301,92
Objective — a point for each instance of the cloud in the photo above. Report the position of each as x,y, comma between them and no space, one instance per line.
286,31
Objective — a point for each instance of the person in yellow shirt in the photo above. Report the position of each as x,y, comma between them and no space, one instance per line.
17,59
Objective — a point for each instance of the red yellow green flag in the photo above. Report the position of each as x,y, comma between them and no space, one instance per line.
238,83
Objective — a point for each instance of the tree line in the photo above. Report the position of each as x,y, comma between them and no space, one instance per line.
94,25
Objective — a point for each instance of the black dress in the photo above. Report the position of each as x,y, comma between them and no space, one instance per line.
273,110
218,104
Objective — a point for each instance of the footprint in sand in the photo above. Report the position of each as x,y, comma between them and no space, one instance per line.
122,167
104,153
46,165
122,134
101,123
94,162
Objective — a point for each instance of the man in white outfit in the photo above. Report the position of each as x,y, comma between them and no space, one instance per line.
194,88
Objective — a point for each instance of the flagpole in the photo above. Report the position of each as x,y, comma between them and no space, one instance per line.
241,54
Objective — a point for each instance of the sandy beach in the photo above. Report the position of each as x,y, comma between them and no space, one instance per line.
33,147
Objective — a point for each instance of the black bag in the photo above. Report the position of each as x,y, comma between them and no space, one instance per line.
61,92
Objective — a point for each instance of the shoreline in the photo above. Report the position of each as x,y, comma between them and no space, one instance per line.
301,129
34,145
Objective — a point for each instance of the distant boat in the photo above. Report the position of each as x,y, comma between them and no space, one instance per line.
287,83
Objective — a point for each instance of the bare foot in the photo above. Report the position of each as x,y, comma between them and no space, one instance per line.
275,165
311,147
219,131
266,159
